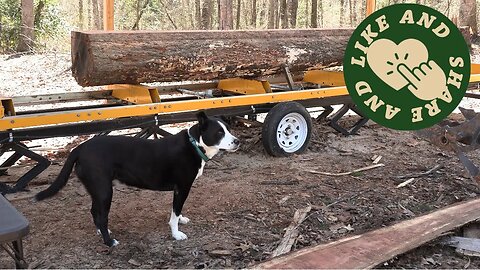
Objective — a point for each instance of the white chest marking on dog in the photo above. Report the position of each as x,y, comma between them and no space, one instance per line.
200,170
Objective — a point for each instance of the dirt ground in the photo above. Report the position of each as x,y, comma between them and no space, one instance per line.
241,205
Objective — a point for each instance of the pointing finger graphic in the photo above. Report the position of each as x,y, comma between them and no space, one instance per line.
408,74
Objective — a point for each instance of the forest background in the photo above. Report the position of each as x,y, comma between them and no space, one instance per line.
46,24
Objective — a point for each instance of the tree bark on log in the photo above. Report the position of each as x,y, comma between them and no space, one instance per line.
101,58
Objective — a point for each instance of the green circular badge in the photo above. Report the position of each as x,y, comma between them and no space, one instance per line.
407,66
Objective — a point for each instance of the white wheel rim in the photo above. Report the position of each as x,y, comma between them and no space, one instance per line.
292,132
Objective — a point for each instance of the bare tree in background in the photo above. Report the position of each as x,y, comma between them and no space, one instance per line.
27,35
467,15
198,14
225,16
80,14
96,14
239,9
307,14
321,13
283,14
253,19
342,12
140,10
207,12
314,18
271,14
292,13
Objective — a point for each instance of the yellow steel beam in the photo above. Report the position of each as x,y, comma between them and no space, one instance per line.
137,94
475,68
40,119
324,78
242,86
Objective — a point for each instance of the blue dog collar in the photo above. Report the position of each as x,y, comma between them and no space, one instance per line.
197,148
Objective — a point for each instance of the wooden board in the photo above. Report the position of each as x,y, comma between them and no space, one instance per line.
371,249
114,57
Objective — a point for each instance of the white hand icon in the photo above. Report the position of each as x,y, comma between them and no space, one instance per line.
426,82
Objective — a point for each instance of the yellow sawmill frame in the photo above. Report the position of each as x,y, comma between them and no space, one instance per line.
145,100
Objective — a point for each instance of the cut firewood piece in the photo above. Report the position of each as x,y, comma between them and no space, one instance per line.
373,248
107,57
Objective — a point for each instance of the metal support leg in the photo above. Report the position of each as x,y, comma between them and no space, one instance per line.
15,250
340,113
328,110
9,162
19,258
22,150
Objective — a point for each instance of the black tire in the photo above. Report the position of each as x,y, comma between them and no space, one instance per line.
275,143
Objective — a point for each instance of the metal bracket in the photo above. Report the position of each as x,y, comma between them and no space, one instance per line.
458,137
340,113
21,150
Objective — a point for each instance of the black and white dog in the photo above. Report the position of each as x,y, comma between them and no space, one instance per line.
171,163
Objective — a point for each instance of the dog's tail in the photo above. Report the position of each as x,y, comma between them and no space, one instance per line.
62,178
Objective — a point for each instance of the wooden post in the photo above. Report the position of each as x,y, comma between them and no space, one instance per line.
108,19
370,6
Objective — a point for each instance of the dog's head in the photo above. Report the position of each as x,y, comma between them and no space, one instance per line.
214,135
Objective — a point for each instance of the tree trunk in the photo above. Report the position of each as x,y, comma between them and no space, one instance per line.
225,16
321,13
283,14
96,14
137,57
314,18
198,15
271,14
277,15
468,15
342,12
80,14
38,13
239,6
307,15
207,12
141,9
350,11
89,16
292,13
354,13
253,19
27,34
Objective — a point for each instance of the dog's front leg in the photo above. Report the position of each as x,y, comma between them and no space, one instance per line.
179,197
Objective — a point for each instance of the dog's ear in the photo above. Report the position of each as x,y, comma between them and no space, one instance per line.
202,118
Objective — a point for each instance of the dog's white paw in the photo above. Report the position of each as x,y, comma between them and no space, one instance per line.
100,233
115,243
178,235
183,220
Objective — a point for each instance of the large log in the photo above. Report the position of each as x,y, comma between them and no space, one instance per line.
101,58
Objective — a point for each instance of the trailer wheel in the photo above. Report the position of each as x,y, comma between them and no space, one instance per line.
286,129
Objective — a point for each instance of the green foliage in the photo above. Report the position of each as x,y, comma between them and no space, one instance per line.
10,19
47,23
